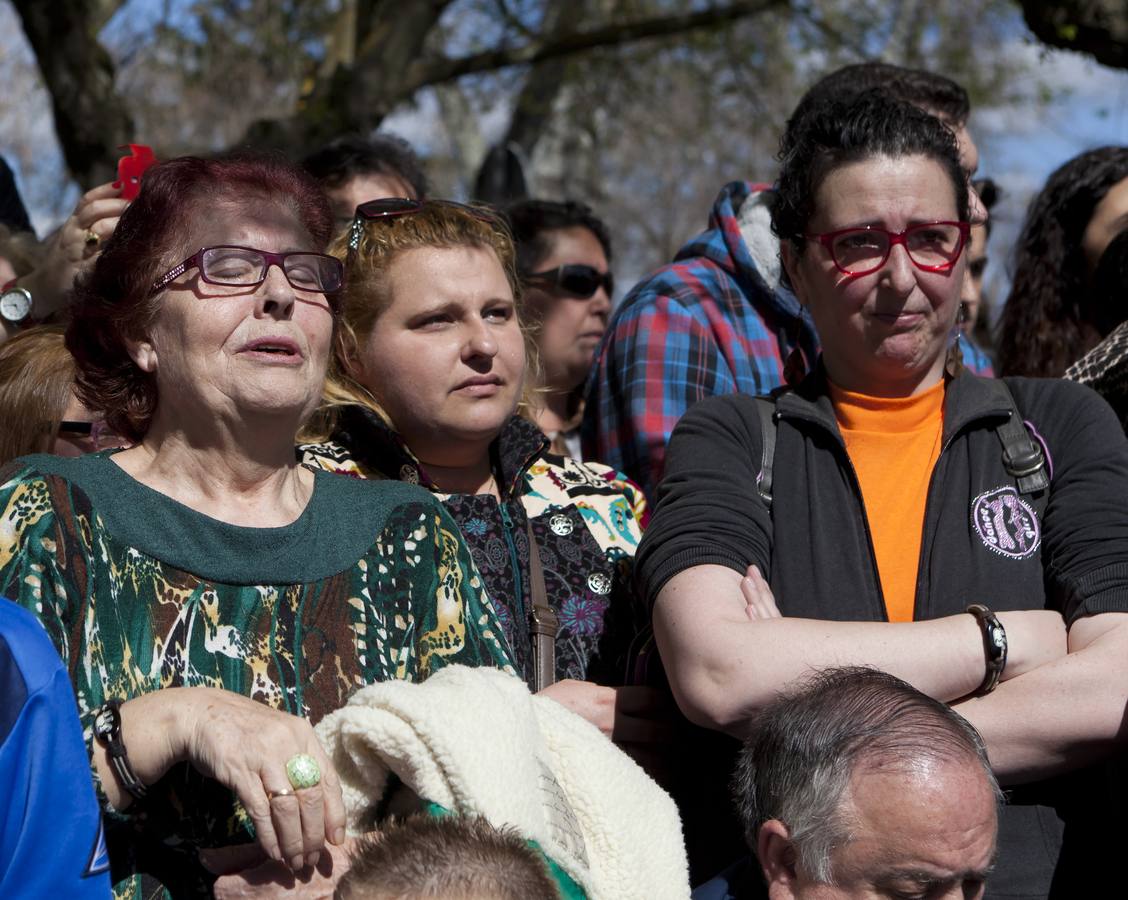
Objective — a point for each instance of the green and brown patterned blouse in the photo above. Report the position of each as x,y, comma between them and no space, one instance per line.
139,593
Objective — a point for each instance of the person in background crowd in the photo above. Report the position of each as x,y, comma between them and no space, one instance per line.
52,842
974,320
718,320
353,169
1052,316
564,260
13,213
1105,367
210,596
429,370
38,407
906,519
42,294
446,858
20,253
858,785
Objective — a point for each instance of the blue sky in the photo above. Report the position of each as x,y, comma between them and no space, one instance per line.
1020,144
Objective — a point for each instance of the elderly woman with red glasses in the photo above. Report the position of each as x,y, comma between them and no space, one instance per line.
564,259
892,510
211,597
429,371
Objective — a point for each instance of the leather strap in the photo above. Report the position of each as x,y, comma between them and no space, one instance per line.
1022,455
765,406
543,622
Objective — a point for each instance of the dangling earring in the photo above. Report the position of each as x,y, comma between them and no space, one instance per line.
953,362
795,366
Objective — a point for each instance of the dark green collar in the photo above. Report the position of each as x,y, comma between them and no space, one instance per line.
339,525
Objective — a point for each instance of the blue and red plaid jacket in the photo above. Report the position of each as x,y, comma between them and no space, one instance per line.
707,323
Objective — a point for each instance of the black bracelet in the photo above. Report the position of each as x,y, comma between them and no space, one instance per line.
107,729
994,646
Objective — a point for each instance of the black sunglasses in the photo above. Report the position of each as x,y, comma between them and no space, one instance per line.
579,281
386,208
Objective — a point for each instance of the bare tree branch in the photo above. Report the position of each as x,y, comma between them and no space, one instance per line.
434,71
510,18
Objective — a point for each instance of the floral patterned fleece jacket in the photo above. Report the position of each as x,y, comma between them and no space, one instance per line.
586,517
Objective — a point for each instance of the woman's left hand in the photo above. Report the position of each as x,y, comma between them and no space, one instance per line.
758,599
72,249
245,873
632,713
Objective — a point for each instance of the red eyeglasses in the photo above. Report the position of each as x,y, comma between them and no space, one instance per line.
932,246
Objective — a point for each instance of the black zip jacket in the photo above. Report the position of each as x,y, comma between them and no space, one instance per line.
982,542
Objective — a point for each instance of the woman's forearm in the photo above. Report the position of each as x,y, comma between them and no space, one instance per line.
723,667
150,734
1064,714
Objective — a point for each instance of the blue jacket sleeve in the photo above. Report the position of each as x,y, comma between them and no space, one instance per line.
51,837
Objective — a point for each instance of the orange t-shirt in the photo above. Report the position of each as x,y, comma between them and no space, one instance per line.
893,444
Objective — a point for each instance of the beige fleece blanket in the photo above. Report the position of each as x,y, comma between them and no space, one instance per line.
477,741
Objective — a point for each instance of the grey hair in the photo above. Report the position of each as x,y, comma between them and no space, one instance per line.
805,747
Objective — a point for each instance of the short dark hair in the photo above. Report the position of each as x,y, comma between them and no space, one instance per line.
934,93
530,221
381,154
114,302
448,857
840,132
805,747
1042,327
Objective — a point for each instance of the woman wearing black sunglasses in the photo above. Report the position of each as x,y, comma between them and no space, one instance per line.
892,510
429,372
563,258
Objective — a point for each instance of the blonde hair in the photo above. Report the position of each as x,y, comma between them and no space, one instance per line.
36,382
367,294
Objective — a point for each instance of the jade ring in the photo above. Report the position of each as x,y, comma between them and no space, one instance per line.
303,771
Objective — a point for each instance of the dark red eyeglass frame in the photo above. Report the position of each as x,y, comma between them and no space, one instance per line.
196,261
827,239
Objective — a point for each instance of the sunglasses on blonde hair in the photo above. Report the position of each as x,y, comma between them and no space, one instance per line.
387,208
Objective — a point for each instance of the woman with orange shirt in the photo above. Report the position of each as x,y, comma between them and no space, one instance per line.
967,535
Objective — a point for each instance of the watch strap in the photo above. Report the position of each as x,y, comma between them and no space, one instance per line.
994,646
107,730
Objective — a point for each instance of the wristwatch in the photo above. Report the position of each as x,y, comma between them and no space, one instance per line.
107,730
15,305
994,646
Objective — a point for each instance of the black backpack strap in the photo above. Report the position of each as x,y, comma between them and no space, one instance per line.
765,406
1023,457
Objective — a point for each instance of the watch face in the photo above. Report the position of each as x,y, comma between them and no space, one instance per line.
15,305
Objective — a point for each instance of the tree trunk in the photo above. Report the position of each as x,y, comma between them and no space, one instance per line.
90,119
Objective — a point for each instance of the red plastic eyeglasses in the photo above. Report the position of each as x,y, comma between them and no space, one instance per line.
932,246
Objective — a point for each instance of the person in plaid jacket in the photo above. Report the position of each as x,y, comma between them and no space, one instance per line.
717,320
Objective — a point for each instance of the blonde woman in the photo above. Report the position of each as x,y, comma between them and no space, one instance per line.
429,369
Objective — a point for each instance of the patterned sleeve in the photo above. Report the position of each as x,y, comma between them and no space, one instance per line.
657,361
431,604
30,544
